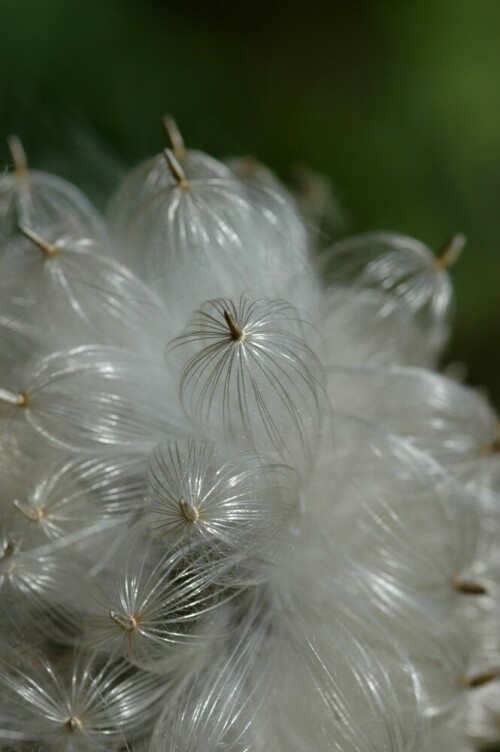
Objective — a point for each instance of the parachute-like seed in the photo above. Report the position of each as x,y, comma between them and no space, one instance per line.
163,615
155,175
36,587
451,422
344,685
251,374
397,516
406,272
220,708
73,495
72,283
91,397
91,705
186,222
43,202
441,650
239,507
360,330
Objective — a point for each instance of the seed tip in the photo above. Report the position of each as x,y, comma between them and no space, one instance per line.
23,399
127,622
9,549
190,512
174,136
176,169
480,679
449,252
467,587
237,333
31,512
19,399
49,249
72,724
18,156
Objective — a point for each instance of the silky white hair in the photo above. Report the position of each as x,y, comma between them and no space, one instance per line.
239,510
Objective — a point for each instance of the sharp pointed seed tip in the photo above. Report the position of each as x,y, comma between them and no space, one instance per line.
480,679
127,622
49,249
72,724
190,512
18,156
237,332
9,549
176,169
468,588
174,136
31,512
449,252
19,399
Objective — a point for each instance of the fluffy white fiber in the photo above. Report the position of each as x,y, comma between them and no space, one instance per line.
238,511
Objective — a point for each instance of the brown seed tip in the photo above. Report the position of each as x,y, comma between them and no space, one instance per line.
31,512
236,332
23,399
190,512
49,249
449,252
127,622
9,549
18,156
480,679
19,399
176,169
468,588
72,724
174,136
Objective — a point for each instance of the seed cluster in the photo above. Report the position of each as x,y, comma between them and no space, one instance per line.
240,509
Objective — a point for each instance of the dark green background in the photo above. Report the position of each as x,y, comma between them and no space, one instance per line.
398,102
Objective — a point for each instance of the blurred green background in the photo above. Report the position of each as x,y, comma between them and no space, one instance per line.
397,102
